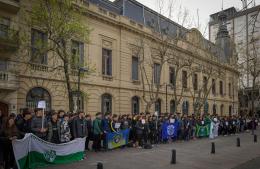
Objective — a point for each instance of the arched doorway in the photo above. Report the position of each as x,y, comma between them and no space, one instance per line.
4,108
135,105
185,107
214,109
172,106
157,106
38,94
106,103
222,109
230,110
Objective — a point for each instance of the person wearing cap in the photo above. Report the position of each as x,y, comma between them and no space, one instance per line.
39,125
54,127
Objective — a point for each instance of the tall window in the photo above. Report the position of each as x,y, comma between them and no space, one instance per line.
135,105
213,87
206,108
230,110
135,68
214,109
77,51
107,62
205,83
229,89
195,81
172,106
172,76
184,79
157,106
4,27
185,107
106,104
38,44
38,94
221,88
222,109
157,73
3,65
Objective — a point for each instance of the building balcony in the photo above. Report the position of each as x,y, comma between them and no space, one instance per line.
9,40
8,80
11,6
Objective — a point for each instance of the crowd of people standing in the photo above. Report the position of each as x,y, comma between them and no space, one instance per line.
145,128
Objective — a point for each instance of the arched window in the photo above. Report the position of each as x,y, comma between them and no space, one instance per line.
135,105
214,109
172,106
185,107
157,106
206,108
38,94
222,109
78,101
106,103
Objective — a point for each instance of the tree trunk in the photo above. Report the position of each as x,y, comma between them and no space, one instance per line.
69,90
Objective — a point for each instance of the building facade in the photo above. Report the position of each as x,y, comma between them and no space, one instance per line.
115,85
243,26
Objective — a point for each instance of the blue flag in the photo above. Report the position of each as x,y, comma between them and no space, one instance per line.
169,130
117,139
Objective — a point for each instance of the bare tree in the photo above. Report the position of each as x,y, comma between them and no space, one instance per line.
200,91
60,23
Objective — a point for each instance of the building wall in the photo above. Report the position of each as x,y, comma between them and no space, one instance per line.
117,33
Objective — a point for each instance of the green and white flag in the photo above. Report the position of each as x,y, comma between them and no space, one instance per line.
32,152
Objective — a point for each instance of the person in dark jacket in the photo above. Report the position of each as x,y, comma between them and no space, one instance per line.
125,123
80,128
54,129
24,124
10,133
39,125
97,132
90,134
1,141
140,131
105,122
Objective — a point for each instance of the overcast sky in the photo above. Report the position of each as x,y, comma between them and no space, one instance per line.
205,7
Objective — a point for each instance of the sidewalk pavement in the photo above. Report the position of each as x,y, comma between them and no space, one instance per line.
194,154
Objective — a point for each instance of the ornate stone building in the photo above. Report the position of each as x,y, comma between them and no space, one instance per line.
116,84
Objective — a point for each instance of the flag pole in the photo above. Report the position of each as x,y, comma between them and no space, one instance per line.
43,118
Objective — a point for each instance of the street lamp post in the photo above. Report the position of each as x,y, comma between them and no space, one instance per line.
166,108
166,97
81,69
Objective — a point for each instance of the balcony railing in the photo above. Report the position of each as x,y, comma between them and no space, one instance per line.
8,80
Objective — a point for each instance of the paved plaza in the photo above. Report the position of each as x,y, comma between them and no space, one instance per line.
190,155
